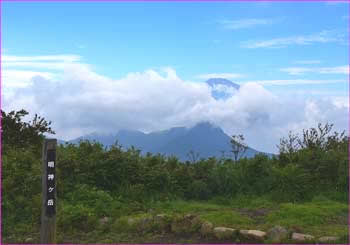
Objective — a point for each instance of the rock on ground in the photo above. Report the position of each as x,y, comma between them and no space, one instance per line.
29,240
254,235
132,221
299,237
328,239
206,228
104,220
224,233
160,217
277,234
181,225
189,216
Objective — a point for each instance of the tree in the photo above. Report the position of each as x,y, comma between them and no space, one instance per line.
17,134
288,146
315,137
193,156
238,147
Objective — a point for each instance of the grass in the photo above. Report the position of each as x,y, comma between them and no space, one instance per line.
319,217
181,207
228,218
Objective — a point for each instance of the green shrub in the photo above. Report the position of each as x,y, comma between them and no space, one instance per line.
76,217
199,190
291,184
97,200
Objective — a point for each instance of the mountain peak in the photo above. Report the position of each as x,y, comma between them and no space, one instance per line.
222,88
204,138
221,81
204,125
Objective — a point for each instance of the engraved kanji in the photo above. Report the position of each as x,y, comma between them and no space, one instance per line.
50,177
50,202
51,189
51,164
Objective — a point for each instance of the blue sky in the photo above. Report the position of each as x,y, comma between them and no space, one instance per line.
291,49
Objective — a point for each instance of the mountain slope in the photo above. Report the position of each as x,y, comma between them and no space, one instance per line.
203,139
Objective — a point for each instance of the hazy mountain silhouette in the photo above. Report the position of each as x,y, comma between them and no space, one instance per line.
222,88
203,139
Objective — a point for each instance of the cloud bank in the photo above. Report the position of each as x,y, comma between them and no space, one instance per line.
82,101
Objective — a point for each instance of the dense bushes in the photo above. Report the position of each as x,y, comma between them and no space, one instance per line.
152,177
94,181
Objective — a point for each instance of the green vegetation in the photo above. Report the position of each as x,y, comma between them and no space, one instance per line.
304,189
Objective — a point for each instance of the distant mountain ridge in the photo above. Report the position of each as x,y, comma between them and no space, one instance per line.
203,139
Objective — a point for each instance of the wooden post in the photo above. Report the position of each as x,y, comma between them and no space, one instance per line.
49,195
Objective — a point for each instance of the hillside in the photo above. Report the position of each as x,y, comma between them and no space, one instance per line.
204,139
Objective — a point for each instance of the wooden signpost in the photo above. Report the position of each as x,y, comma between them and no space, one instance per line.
49,195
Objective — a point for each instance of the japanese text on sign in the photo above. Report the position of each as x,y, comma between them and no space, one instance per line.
50,183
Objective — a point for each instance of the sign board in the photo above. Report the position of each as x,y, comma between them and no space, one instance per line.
50,183
49,196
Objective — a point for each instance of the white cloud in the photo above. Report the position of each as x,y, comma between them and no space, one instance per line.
341,102
43,62
284,82
322,70
308,62
220,75
18,71
244,23
295,70
227,90
334,70
82,101
21,78
321,37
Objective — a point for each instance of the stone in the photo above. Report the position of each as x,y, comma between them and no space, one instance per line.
160,217
299,237
277,234
206,228
197,221
132,221
243,232
181,226
196,224
143,224
259,235
144,221
28,240
253,235
328,239
224,232
162,221
190,216
104,220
